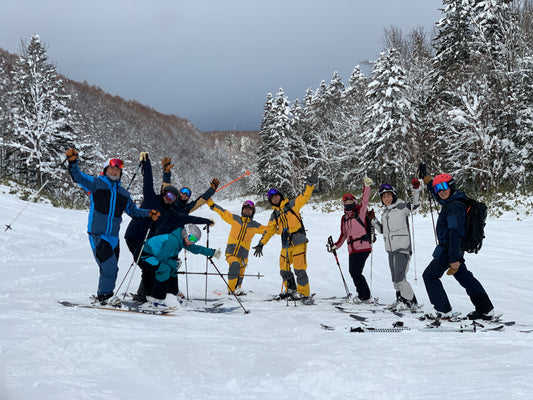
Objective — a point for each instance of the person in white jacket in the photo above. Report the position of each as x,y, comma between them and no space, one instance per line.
394,226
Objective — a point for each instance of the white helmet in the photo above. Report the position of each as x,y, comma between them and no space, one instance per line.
191,232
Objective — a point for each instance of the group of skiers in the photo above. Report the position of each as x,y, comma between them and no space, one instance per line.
162,227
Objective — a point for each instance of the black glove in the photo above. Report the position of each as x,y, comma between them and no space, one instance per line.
422,171
313,179
258,249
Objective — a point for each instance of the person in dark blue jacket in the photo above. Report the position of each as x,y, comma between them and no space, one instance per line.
448,255
108,201
165,202
171,218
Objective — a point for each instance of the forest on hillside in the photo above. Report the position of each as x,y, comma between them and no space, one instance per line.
43,113
459,98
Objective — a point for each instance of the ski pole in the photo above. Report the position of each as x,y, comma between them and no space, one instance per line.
8,226
206,264
135,261
258,275
247,173
348,294
134,175
186,276
227,285
432,218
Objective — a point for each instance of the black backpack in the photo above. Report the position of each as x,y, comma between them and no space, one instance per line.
475,221
370,235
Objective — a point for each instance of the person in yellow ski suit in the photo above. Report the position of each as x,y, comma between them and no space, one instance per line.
243,229
287,222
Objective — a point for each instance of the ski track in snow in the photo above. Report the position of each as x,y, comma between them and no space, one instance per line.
48,351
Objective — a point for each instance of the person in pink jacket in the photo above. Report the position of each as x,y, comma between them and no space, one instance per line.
353,231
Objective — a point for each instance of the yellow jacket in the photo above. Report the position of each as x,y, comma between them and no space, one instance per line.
242,231
286,218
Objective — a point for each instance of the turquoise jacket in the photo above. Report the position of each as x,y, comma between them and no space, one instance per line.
163,250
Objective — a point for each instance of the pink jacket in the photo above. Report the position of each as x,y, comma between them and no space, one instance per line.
351,228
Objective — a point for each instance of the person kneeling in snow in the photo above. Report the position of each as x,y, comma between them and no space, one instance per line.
161,253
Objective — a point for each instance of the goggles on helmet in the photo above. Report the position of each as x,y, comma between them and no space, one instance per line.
441,186
249,203
192,238
186,191
386,187
170,196
272,192
116,162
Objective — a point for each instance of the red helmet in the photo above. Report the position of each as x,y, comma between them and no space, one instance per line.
348,196
443,178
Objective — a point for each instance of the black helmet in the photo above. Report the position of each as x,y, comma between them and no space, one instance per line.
170,192
388,188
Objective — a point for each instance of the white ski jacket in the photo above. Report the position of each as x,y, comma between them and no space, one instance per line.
394,225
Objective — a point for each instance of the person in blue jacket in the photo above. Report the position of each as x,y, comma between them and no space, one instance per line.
108,201
161,252
448,255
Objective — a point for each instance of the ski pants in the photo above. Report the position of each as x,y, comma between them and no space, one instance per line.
399,265
437,294
237,266
134,245
357,263
295,256
107,259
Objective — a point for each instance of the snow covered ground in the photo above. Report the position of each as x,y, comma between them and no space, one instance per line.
48,351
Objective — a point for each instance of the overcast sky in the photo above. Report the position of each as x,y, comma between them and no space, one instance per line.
209,61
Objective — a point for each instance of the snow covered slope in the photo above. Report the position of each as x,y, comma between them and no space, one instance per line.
48,351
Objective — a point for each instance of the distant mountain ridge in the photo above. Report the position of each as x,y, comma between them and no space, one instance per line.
123,128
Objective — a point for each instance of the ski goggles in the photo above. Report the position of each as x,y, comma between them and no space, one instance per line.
192,238
116,162
170,196
272,192
441,186
249,203
385,187
186,191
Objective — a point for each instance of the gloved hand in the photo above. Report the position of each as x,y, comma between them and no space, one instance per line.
212,223
415,184
217,253
422,171
313,179
258,249
367,181
143,156
166,161
154,214
331,248
214,183
72,155
371,214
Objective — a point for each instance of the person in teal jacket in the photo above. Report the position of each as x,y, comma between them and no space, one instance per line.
161,253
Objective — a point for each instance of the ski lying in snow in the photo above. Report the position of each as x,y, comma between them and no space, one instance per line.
216,309
327,327
126,307
372,310
430,328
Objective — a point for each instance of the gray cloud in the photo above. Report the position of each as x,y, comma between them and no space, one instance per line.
212,61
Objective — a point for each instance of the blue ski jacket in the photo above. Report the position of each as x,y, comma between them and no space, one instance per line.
450,226
163,251
108,201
